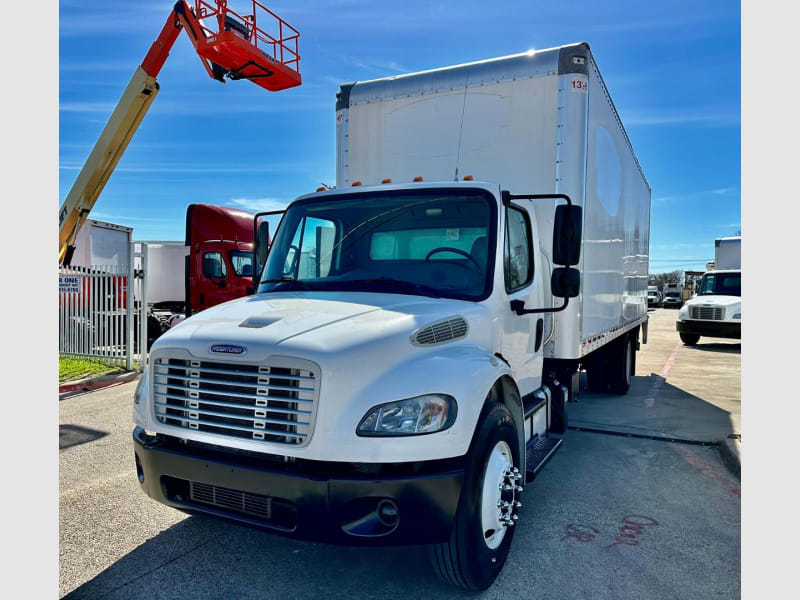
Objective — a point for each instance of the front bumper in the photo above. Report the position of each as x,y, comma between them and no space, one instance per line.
718,329
359,504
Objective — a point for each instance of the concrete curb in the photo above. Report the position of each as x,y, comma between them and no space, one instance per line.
95,383
730,449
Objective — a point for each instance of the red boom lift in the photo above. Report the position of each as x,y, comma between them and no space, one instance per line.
230,45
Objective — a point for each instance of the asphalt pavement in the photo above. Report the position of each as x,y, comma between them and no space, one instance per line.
609,517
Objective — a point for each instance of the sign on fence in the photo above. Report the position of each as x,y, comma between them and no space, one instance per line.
69,284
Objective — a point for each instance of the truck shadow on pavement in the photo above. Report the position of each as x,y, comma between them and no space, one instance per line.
202,557
718,347
652,408
74,435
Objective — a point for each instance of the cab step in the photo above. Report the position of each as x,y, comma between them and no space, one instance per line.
538,451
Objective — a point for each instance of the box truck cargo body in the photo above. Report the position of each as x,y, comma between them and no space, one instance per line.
406,360
540,122
103,246
728,253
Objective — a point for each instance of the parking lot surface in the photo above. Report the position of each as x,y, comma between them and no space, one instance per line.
609,517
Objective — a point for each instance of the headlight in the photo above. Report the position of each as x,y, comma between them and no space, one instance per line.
683,312
737,316
414,416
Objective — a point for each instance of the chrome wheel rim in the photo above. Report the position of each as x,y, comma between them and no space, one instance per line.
499,500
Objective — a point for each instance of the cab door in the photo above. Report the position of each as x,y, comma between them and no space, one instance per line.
522,334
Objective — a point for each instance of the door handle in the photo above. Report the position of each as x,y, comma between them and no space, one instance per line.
539,333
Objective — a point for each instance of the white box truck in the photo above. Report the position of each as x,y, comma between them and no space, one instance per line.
653,295
487,239
673,295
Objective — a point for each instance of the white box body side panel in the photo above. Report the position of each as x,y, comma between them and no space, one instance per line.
504,132
616,225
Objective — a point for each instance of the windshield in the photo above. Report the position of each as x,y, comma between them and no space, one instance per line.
429,242
721,284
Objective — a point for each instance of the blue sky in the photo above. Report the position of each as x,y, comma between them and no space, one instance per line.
673,69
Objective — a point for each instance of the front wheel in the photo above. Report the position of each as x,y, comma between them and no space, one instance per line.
487,509
690,339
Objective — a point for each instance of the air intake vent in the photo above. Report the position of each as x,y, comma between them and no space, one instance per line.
447,330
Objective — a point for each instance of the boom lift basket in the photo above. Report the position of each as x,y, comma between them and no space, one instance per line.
239,46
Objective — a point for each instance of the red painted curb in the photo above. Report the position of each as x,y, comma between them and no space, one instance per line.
91,385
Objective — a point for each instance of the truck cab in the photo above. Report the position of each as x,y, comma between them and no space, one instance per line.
716,309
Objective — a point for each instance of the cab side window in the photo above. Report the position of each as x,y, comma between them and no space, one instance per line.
214,265
517,251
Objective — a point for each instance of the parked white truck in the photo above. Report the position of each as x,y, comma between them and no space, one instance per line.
673,295
716,309
403,388
653,295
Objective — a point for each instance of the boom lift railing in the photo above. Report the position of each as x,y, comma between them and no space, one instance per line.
234,49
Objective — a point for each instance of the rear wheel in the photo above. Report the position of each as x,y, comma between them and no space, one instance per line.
621,367
487,509
690,339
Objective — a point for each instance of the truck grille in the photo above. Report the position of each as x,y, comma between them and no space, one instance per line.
268,403
233,500
707,313
276,513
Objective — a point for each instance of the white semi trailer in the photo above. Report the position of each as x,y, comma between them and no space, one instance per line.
487,239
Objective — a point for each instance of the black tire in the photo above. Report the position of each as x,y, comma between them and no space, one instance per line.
690,339
620,370
465,560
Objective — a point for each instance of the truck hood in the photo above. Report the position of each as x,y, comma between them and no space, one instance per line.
311,323
713,299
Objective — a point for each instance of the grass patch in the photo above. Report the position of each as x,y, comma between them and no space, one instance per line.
71,368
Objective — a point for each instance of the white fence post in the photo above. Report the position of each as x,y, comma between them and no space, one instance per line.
143,311
129,311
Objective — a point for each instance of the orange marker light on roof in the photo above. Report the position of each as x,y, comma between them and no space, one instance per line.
386,181
417,178
356,183
320,189
468,177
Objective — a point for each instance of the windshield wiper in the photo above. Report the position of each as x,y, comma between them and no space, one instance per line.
301,284
394,284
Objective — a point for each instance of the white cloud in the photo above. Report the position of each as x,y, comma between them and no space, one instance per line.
655,117
259,204
115,218
724,191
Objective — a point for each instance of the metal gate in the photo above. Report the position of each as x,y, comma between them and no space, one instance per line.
101,316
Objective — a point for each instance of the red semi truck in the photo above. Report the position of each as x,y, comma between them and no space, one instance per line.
214,264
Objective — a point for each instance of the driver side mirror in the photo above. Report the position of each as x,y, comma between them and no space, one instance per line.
567,235
261,248
565,282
